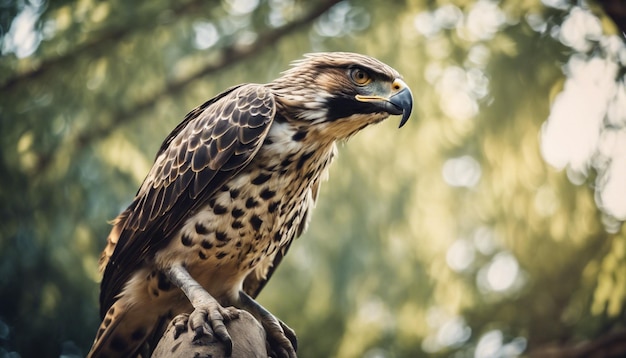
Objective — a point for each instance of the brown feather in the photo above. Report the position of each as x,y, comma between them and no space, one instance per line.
150,220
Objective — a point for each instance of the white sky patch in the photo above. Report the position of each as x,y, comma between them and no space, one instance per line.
536,22
459,89
463,171
479,55
206,35
454,97
278,10
453,332
579,29
501,275
586,128
484,20
23,39
448,16
426,24
484,240
491,345
502,272
447,330
571,134
342,19
460,255
459,105
241,7
557,4
375,312
612,182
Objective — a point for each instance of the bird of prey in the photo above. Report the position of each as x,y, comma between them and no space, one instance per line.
231,187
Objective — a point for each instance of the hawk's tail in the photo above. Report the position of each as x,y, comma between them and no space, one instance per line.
123,332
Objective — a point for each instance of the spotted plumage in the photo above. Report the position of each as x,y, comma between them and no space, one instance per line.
230,189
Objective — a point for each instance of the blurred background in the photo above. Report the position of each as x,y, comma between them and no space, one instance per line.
490,226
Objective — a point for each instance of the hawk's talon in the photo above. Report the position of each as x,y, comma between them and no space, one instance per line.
290,334
199,325
229,313
282,339
180,324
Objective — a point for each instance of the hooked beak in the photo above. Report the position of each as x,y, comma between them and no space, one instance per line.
399,102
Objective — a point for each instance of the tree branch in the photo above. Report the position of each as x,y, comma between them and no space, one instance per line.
616,10
101,40
611,345
230,56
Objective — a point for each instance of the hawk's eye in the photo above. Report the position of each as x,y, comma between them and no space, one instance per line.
360,77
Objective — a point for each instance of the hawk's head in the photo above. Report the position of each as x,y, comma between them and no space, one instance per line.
343,92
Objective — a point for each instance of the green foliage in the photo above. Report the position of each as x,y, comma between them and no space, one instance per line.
415,229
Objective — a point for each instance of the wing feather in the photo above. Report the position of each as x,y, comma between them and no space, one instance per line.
211,145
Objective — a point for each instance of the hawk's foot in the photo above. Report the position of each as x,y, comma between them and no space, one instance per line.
180,324
281,340
208,320
199,323
208,317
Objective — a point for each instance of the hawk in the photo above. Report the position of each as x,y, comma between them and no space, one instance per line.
231,187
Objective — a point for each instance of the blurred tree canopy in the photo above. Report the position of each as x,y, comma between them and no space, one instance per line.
491,226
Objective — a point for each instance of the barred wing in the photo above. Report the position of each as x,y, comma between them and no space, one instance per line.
210,146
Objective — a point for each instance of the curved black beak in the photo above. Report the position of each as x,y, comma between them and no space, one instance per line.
402,100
